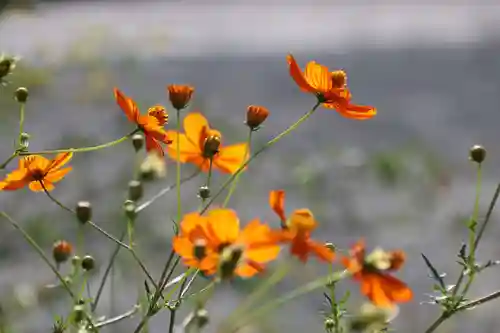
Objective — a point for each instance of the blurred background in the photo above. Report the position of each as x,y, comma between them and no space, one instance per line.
401,180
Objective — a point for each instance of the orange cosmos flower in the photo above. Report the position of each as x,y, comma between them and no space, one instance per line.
37,172
215,242
330,87
192,143
373,271
180,95
150,124
297,230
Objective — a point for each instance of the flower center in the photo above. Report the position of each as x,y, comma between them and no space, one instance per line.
339,79
159,113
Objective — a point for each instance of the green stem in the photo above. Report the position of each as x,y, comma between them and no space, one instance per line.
178,168
22,109
7,161
268,145
275,303
80,150
235,182
39,250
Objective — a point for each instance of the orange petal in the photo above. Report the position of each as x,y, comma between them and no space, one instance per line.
300,248
36,186
183,247
223,225
187,149
190,221
247,270
358,112
127,105
395,289
195,125
318,77
297,76
231,158
55,176
60,160
13,185
371,287
277,203
321,251
153,145
15,176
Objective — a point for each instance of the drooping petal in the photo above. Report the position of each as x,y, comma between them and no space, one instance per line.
358,112
224,225
321,251
371,287
248,269
277,203
39,186
127,105
300,248
12,185
298,76
60,160
395,289
55,176
318,76
195,124
153,145
231,158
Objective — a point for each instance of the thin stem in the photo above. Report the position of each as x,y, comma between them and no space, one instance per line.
106,273
479,301
178,168
164,191
22,109
81,150
172,320
268,145
121,317
235,181
276,302
39,250
11,157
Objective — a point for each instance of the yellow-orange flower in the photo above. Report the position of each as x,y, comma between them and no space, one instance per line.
180,95
297,230
228,159
206,242
373,272
330,87
37,172
150,124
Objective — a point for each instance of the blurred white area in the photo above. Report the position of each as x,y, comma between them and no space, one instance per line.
173,28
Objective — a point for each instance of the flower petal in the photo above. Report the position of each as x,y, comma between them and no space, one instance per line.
153,145
195,125
188,150
297,76
321,251
231,158
55,176
318,76
277,203
127,105
60,160
223,225
36,186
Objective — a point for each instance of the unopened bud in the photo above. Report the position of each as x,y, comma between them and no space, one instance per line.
211,147
330,246
75,261
21,95
83,211
78,313
477,153
61,251
256,115
135,190
24,140
201,318
204,192
180,95
137,141
129,208
88,263
329,324
7,65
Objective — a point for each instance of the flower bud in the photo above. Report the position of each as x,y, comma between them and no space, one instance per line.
7,65
24,140
180,95
21,95
78,313
135,190
129,208
330,246
75,261
83,211
138,141
256,115
329,324
204,192
61,251
201,318
477,153
88,263
200,249
211,147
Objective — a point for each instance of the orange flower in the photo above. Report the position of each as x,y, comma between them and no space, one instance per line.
373,272
215,242
151,124
192,146
297,230
180,95
37,172
329,87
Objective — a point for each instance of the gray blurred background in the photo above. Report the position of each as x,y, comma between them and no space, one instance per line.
402,179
